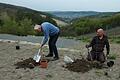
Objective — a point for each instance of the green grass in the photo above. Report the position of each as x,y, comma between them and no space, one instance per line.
83,38
115,39
112,56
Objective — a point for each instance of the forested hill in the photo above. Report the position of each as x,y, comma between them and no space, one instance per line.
71,15
22,12
89,24
20,20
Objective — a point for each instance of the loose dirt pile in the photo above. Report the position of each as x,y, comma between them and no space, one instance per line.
82,65
27,63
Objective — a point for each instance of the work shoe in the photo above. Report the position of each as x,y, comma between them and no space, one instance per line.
55,58
49,55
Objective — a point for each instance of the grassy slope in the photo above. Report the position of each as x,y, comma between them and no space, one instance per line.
12,10
113,34
110,32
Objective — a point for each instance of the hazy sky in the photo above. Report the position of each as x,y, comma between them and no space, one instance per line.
68,5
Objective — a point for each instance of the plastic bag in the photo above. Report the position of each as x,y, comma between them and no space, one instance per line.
68,59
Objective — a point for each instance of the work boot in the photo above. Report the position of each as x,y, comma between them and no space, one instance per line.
55,58
49,55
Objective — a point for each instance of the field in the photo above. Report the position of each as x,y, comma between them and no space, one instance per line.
55,70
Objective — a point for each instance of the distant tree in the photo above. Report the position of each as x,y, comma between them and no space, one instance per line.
49,19
9,26
25,27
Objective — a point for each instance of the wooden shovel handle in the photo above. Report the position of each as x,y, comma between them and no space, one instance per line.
40,49
41,53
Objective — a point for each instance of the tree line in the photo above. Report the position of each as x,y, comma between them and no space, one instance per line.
21,23
87,25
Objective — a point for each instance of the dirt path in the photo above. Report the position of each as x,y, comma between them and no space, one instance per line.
55,71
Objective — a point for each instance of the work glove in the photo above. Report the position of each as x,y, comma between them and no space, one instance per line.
87,46
107,53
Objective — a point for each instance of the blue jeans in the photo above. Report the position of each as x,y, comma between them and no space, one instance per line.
52,45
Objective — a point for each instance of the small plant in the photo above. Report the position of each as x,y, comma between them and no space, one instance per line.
49,76
98,73
112,56
115,39
118,41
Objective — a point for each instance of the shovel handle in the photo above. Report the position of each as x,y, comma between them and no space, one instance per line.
106,57
89,54
40,51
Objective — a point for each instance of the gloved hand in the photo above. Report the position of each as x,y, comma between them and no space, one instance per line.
107,53
87,46
41,47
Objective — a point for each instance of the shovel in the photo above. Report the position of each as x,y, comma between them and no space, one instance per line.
90,54
37,56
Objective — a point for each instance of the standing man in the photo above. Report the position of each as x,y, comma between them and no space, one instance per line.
52,33
98,43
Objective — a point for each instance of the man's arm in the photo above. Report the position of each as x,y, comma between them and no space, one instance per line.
45,39
91,43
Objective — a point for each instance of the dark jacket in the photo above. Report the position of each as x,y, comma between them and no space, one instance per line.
98,44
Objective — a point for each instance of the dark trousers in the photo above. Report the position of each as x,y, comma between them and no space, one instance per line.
52,45
99,56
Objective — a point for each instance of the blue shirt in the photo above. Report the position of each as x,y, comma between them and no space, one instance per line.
48,30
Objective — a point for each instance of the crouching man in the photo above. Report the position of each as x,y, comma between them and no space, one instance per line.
98,43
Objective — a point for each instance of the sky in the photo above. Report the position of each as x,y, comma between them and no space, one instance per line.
68,5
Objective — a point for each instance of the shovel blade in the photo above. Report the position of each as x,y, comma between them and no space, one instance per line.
37,58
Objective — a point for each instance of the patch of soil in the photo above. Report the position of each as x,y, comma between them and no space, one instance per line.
82,65
27,63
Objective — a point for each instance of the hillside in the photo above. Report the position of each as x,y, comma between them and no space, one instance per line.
114,32
15,9
20,20
71,15
89,24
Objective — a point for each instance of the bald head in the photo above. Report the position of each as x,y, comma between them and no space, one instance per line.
100,32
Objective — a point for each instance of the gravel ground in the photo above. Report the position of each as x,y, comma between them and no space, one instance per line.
55,70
